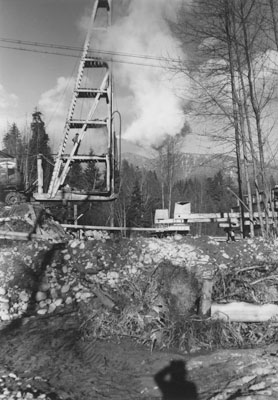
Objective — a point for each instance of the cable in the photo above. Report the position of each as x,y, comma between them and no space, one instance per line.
105,59
76,56
178,61
79,49
39,51
61,97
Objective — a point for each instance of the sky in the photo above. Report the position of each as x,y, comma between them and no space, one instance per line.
146,96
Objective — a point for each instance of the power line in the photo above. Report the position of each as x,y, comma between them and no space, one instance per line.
176,64
171,64
105,59
39,51
98,51
62,95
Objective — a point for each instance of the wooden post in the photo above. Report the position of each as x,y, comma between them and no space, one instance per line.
40,174
112,214
205,301
75,214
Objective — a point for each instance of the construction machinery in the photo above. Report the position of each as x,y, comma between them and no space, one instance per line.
11,183
89,120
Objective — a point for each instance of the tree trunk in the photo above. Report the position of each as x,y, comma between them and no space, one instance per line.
250,137
242,111
274,21
162,195
245,166
235,103
257,113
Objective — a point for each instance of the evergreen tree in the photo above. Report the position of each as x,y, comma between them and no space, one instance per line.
75,178
128,175
12,141
217,192
92,176
151,196
13,145
11,176
135,212
38,144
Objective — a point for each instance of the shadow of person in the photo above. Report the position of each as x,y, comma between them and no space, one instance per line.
172,382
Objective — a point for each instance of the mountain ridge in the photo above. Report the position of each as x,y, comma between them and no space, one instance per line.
190,165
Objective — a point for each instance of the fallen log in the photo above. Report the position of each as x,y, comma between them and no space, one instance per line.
244,312
20,236
12,235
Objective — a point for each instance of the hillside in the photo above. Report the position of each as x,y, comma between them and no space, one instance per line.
190,165
193,165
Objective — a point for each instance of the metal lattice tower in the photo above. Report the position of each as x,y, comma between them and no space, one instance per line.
91,99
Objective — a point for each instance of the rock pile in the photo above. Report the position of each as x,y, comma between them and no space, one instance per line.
49,276
12,387
123,284
27,221
56,276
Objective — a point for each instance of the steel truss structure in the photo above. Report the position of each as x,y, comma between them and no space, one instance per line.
83,125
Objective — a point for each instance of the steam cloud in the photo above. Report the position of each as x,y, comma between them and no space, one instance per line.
145,95
8,107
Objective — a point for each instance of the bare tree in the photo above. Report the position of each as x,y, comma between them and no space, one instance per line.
169,158
228,46
270,11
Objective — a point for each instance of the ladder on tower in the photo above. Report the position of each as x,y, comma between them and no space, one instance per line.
87,124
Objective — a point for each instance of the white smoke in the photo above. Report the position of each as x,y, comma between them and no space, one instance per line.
146,96
53,101
8,108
